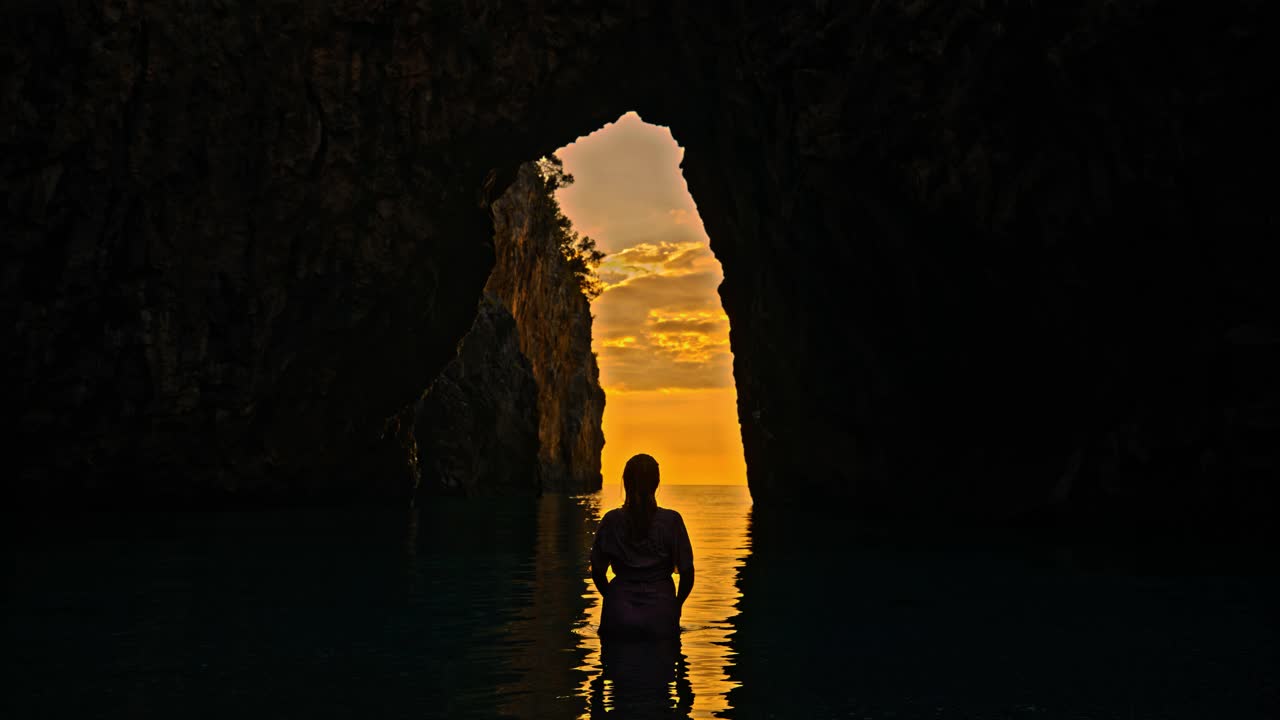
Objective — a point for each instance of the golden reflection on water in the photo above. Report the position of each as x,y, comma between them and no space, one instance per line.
716,517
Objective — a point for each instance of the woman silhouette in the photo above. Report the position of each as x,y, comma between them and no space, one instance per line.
644,543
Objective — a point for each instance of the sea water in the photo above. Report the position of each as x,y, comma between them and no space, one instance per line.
482,608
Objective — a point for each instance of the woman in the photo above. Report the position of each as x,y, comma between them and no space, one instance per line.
644,543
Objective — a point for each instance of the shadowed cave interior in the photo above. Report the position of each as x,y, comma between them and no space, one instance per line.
981,263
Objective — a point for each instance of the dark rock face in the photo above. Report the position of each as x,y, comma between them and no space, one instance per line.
520,408
980,261
477,426
979,258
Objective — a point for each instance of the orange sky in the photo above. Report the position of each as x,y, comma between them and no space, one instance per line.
661,335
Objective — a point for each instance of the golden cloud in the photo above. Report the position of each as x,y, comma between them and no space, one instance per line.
652,253
688,347
692,259
609,278
637,368
624,308
663,331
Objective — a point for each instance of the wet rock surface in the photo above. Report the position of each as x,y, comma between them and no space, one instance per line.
979,259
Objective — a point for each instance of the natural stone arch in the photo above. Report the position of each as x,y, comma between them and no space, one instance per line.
255,232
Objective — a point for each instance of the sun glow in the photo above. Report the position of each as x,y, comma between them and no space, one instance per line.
660,333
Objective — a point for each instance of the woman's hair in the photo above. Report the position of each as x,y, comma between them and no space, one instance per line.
640,479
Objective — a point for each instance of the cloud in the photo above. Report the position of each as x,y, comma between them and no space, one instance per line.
663,331
611,277
687,347
661,258
639,368
701,322
627,305
622,342
695,258
653,254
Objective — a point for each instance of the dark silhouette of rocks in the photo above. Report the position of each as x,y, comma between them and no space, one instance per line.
998,257
477,425
520,408
980,259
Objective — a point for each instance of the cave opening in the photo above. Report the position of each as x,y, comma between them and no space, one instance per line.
659,331
603,285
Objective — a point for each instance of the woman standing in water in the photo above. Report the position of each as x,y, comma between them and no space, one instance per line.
644,543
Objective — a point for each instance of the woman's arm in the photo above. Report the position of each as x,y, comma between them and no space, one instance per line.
683,556
686,585
599,569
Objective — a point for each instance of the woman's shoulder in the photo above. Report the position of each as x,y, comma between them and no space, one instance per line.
668,515
610,523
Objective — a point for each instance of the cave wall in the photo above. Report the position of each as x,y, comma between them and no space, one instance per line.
979,257
519,410
984,258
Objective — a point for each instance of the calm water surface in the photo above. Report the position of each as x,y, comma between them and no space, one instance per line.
484,608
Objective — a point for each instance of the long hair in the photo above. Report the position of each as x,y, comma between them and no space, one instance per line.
640,479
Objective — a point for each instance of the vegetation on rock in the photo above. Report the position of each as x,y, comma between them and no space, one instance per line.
579,250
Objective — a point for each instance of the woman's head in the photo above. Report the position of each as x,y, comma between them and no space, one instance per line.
640,480
640,476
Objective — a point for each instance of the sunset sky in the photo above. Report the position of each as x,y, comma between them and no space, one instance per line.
662,337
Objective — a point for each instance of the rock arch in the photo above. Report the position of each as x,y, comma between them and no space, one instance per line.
979,257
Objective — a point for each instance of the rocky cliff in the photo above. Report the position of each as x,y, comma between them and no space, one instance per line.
979,258
520,408
476,428
553,318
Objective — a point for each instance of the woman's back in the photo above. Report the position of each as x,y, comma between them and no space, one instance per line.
664,549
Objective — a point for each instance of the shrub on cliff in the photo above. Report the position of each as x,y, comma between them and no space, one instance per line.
579,250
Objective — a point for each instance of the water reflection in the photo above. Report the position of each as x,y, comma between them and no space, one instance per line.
539,643
641,679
